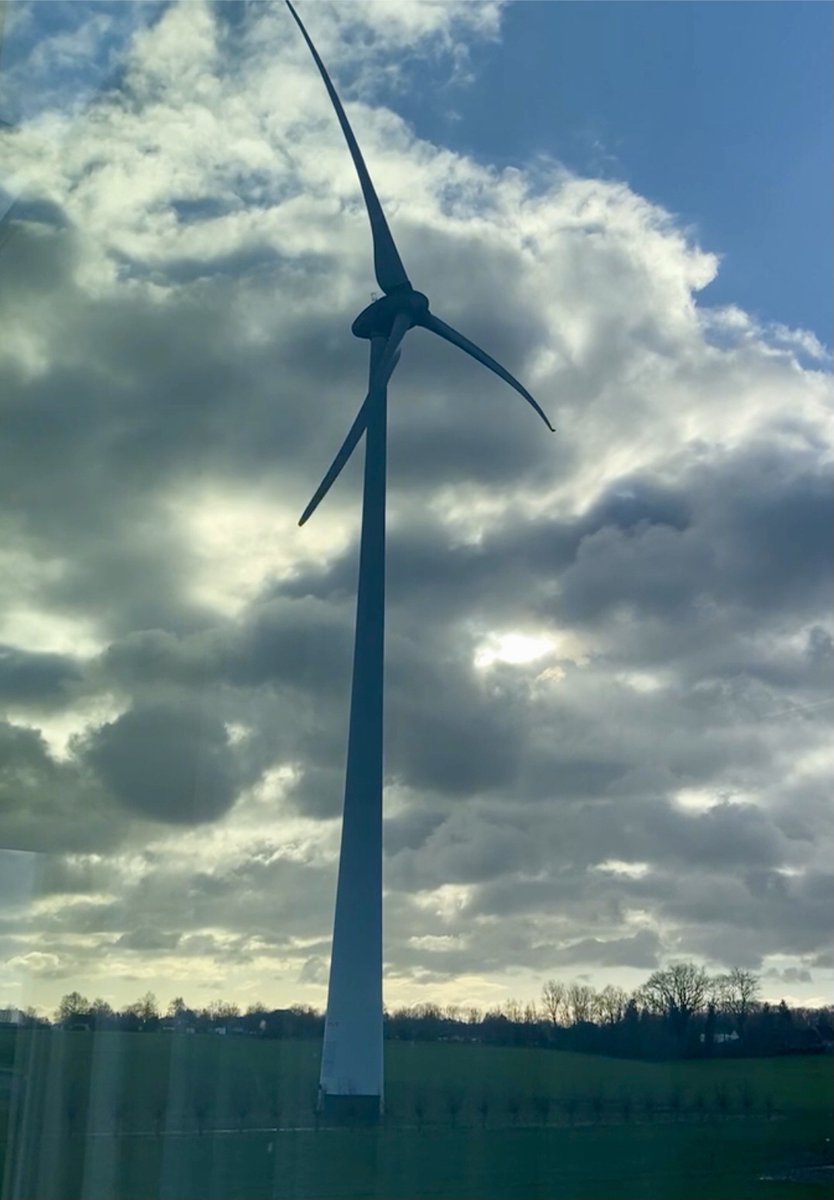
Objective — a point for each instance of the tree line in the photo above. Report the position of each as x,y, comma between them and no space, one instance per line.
679,1011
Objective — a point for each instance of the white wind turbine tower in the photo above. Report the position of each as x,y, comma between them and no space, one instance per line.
352,1068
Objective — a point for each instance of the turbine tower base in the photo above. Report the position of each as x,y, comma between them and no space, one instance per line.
349,1110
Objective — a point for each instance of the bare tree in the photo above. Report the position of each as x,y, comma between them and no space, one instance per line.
102,1013
222,1010
579,1002
145,1009
677,993
610,1004
737,993
513,1010
553,1001
72,1005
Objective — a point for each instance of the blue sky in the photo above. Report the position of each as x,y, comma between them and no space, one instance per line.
719,112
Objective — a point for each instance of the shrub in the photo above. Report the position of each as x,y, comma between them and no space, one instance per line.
200,1107
454,1103
73,1106
242,1104
159,1109
722,1100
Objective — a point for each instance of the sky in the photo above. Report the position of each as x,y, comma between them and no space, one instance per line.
609,649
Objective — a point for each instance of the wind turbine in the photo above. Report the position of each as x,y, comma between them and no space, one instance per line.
352,1066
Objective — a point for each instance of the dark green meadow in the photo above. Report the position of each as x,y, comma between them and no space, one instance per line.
125,1115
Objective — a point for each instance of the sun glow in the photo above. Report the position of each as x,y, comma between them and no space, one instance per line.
514,648
238,541
617,866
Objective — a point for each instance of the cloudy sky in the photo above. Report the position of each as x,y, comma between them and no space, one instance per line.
609,650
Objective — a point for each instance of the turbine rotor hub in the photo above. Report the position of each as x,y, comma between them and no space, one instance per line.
376,320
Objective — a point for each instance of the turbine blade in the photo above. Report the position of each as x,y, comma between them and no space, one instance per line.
347,448
430,321
388,267
378,382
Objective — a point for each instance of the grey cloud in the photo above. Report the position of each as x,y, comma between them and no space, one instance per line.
633,502
314,970
410,829
459,746
299,643
305,644
766,913
168,763
726,834
641,950
147,937
319,791
254,900
75,876
33,678
758,537
790,974
49,806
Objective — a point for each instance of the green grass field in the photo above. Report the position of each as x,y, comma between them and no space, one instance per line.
112,1116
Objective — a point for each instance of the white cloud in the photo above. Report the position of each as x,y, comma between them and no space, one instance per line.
646,587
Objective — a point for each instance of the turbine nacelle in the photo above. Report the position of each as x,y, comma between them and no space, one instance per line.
400,309
378,318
